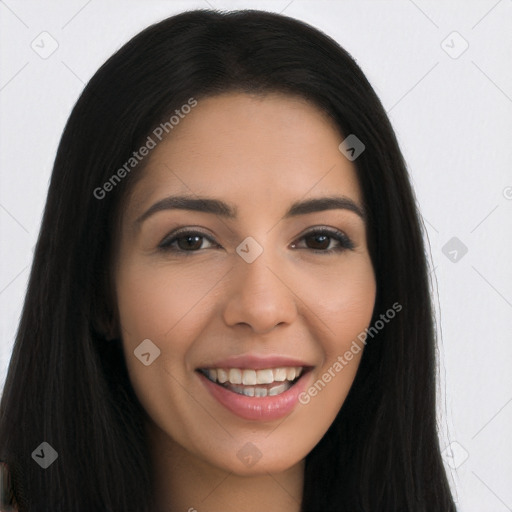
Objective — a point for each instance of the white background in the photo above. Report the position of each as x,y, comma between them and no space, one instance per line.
453,118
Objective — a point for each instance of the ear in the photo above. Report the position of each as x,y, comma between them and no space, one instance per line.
104,309
109,328
104,320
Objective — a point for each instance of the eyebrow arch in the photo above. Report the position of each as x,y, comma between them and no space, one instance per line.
225,210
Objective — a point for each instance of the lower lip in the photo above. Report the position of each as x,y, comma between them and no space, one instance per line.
265,408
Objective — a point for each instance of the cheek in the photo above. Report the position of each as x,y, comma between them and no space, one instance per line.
169,305
343,298
158,300
345,307
343,301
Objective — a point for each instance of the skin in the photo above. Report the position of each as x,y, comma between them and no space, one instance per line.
260,154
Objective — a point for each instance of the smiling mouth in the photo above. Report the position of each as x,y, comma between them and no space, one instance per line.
255,383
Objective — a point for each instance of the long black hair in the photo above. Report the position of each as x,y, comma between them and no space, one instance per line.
67,386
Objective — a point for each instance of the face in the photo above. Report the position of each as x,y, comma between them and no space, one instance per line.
250,287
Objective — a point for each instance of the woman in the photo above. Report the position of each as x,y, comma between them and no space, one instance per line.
229,303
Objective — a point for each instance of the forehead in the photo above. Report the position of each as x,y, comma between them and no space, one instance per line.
237,146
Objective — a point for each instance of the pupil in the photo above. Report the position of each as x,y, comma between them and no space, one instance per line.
189,244
321,240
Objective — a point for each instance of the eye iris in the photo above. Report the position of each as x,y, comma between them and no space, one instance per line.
192,242
323,240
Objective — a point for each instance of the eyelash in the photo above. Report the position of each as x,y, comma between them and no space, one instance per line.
342,238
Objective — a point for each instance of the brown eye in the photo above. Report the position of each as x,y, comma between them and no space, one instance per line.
319,241
186,242
192,243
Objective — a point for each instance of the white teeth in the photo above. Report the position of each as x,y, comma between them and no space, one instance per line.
290,373
222,375
249,378
280,374
260,392
248,391
235,376
277,390
264,377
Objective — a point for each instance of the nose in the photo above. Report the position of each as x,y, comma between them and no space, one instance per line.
259,295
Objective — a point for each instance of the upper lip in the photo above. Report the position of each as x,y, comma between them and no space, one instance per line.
255,362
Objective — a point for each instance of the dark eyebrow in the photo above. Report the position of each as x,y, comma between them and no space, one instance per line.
217,207
202,204
325,203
